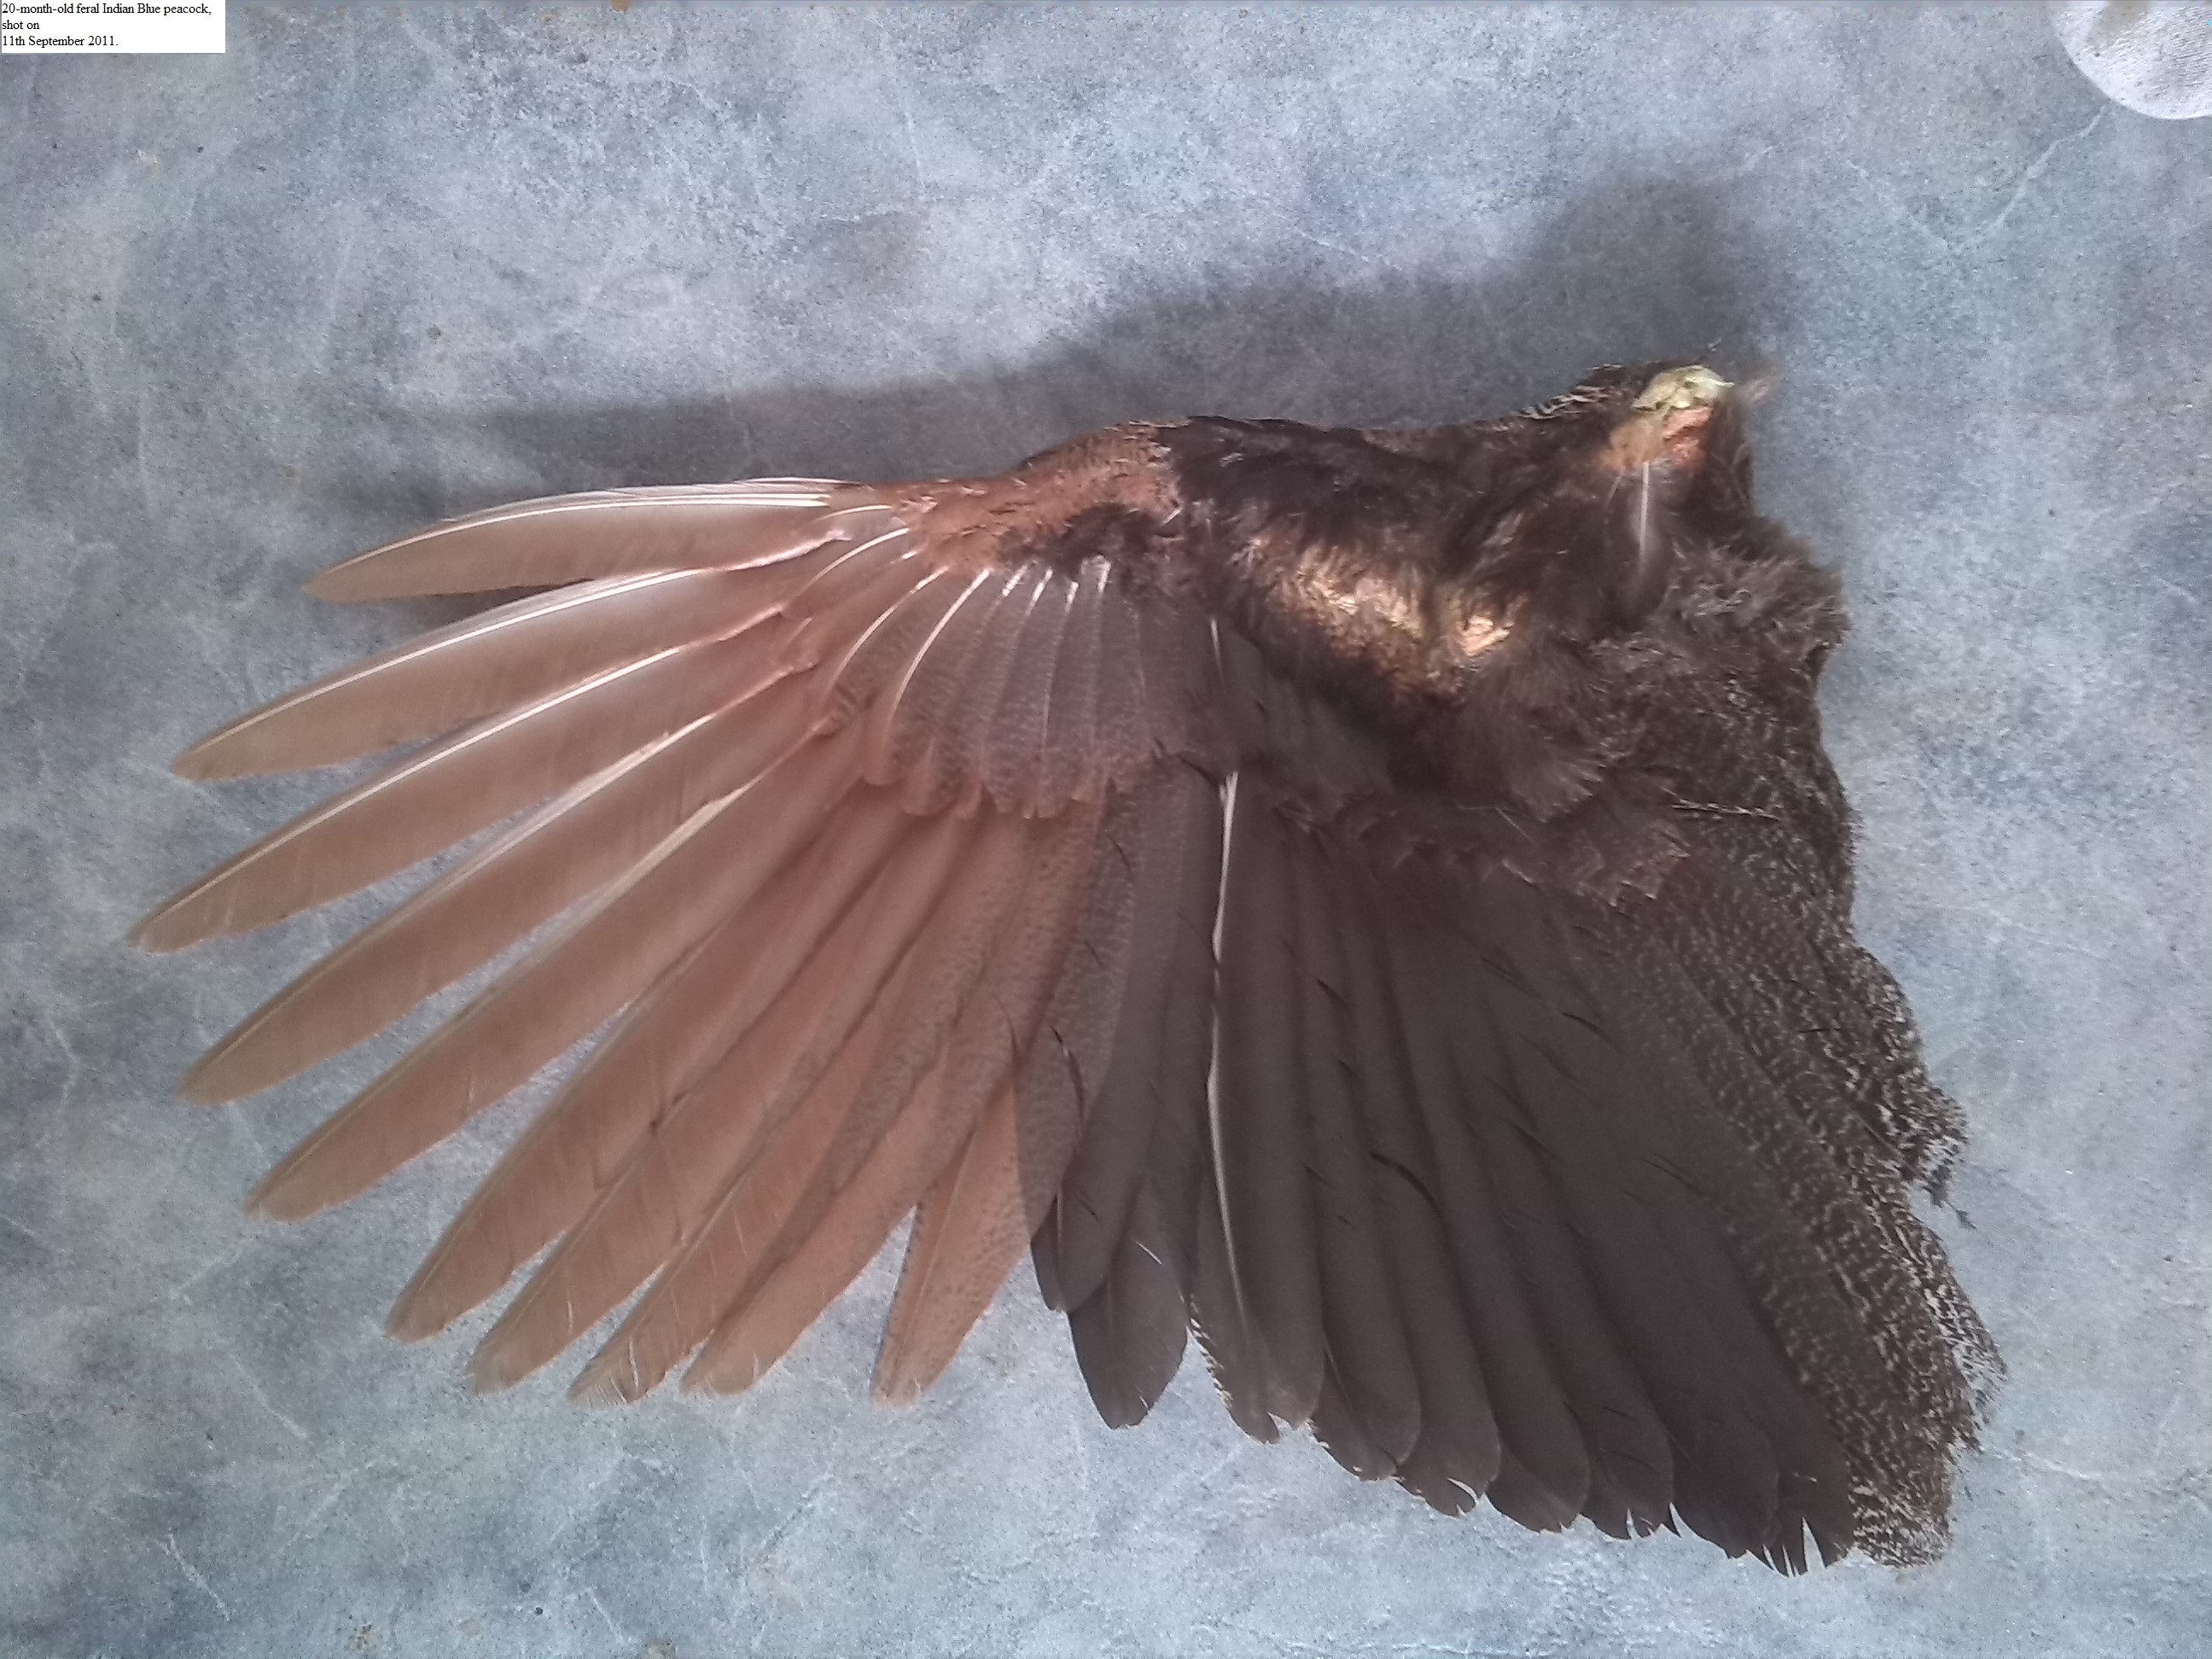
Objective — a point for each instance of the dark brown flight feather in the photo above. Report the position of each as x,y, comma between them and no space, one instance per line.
1374,899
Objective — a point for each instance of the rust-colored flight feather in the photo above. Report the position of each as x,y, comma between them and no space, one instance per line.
1373,899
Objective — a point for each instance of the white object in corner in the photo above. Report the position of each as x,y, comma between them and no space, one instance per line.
2153,56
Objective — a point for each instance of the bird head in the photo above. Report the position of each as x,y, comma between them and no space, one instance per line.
1604,483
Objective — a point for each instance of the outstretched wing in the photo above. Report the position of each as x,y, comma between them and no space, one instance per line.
1039,857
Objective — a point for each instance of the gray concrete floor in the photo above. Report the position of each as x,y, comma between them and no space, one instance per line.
382,264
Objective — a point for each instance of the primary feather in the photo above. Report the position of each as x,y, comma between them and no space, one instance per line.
1375,899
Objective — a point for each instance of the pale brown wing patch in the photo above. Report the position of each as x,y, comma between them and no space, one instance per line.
832,801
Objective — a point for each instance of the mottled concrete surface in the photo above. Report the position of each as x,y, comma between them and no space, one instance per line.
381,263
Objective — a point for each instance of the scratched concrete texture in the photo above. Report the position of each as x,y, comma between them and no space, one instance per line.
378,265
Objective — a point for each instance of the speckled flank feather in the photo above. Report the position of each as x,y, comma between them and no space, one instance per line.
1375,899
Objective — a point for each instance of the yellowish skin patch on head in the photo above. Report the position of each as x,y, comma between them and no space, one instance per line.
1668,415
1694,387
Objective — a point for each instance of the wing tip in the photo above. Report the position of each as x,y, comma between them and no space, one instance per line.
283,1196
344,583
259,1207
203,762
407,1322
902,1376
895,1394
490,1371
202,1084
241,750
1122,1404
186,919
723,1369
156,933
596,1388
703,1374
905,1369
614,1377
233,1069
379,573
429,1301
